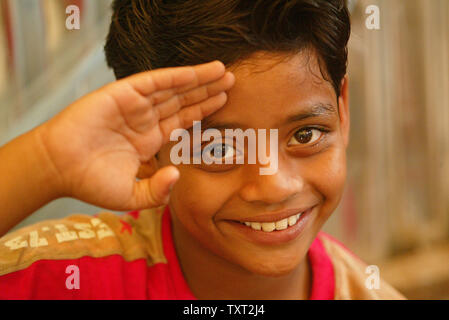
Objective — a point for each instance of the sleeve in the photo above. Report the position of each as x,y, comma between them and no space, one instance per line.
354,279
41,261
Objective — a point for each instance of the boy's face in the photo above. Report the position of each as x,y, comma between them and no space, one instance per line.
209,202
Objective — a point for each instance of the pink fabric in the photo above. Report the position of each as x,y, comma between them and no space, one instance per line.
179,286
108,277
323,278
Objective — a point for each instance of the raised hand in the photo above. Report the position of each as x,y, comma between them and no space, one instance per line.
96,145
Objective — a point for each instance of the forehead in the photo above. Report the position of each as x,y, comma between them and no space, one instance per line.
269,86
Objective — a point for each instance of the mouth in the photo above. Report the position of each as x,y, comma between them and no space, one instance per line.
274,225
274,228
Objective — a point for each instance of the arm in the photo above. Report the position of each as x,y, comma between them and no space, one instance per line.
28,181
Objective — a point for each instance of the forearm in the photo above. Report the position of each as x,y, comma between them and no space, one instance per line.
28,180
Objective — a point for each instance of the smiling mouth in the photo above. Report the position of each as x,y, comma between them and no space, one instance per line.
274,225
273,228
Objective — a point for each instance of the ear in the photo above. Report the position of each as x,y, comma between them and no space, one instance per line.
147,169
343,108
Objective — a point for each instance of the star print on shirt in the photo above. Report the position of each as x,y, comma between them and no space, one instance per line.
126,227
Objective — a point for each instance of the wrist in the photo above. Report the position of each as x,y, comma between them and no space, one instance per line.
28,179
50,175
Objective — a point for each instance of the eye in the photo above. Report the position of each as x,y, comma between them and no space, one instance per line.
218,152
305,136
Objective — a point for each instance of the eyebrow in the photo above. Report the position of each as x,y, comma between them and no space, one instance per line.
315,110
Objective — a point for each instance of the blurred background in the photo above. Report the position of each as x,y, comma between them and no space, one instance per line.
395,209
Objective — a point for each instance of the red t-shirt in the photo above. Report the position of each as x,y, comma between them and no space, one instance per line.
132,256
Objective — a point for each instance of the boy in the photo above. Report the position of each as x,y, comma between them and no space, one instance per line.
228,231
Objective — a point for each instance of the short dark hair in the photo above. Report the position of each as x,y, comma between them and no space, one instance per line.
151,34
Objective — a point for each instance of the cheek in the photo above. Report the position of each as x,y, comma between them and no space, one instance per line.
328,175
198,196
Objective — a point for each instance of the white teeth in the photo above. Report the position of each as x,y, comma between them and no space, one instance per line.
271,226
256,225
282,224
268,226
292,220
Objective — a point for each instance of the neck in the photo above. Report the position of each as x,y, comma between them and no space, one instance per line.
212,277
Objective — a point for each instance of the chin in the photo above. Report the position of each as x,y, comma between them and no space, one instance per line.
269,268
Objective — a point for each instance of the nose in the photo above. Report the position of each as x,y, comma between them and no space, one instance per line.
271,189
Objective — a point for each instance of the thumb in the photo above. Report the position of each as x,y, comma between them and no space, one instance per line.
154,191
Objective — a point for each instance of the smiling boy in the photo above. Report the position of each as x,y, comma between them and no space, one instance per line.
228,232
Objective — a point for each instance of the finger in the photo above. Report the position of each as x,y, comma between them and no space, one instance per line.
185,117
163,95
137,110
155,191
195,95
141,119
152,81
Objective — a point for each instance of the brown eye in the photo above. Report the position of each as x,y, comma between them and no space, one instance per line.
305,136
